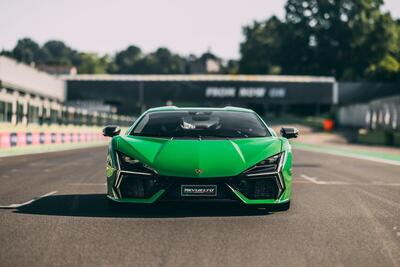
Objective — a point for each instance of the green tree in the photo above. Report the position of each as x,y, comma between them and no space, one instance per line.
126,60
388,68
350,39
6,53
58,53
27,51
261,50
231,67
339,37
162,61
93,64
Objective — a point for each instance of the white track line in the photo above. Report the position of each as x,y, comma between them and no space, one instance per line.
13,206
314,180
311,179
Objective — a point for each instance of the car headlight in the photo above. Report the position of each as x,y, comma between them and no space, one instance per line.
128,160
130,164
265,166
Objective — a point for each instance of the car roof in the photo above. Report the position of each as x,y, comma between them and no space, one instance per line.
174,108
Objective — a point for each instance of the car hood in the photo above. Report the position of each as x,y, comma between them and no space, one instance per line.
184,158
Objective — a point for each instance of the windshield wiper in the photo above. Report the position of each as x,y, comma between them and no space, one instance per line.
213,135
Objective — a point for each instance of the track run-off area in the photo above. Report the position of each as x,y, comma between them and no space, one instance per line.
53,211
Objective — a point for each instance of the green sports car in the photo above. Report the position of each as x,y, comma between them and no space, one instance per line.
200,154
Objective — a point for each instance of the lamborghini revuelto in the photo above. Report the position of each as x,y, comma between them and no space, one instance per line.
200,154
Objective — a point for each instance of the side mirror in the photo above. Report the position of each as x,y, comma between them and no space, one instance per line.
289,132
111,130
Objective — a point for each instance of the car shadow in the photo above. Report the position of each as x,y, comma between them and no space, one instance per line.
96,205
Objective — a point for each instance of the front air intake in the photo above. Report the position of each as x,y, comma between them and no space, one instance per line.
134,186
260,188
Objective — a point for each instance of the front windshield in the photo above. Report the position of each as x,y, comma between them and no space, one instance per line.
201,124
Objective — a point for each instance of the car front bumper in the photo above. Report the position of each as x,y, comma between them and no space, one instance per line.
167,189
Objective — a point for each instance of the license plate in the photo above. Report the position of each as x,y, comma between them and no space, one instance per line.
198,190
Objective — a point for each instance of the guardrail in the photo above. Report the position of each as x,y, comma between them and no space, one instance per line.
380,114
19,139
378,121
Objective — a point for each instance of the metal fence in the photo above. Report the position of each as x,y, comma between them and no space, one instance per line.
383,113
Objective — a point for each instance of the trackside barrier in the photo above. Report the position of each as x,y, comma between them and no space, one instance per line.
19,139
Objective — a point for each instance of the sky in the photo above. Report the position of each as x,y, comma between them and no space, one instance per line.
104,26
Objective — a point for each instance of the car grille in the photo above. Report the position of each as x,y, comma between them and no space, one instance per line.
265,187
142,186
137,186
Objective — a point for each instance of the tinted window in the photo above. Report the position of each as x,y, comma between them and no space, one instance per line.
203,124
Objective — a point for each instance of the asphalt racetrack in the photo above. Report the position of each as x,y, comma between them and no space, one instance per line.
345,212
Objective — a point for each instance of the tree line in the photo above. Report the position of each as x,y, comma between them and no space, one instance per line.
131,60
348,39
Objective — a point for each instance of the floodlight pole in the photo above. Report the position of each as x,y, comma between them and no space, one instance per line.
141,97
